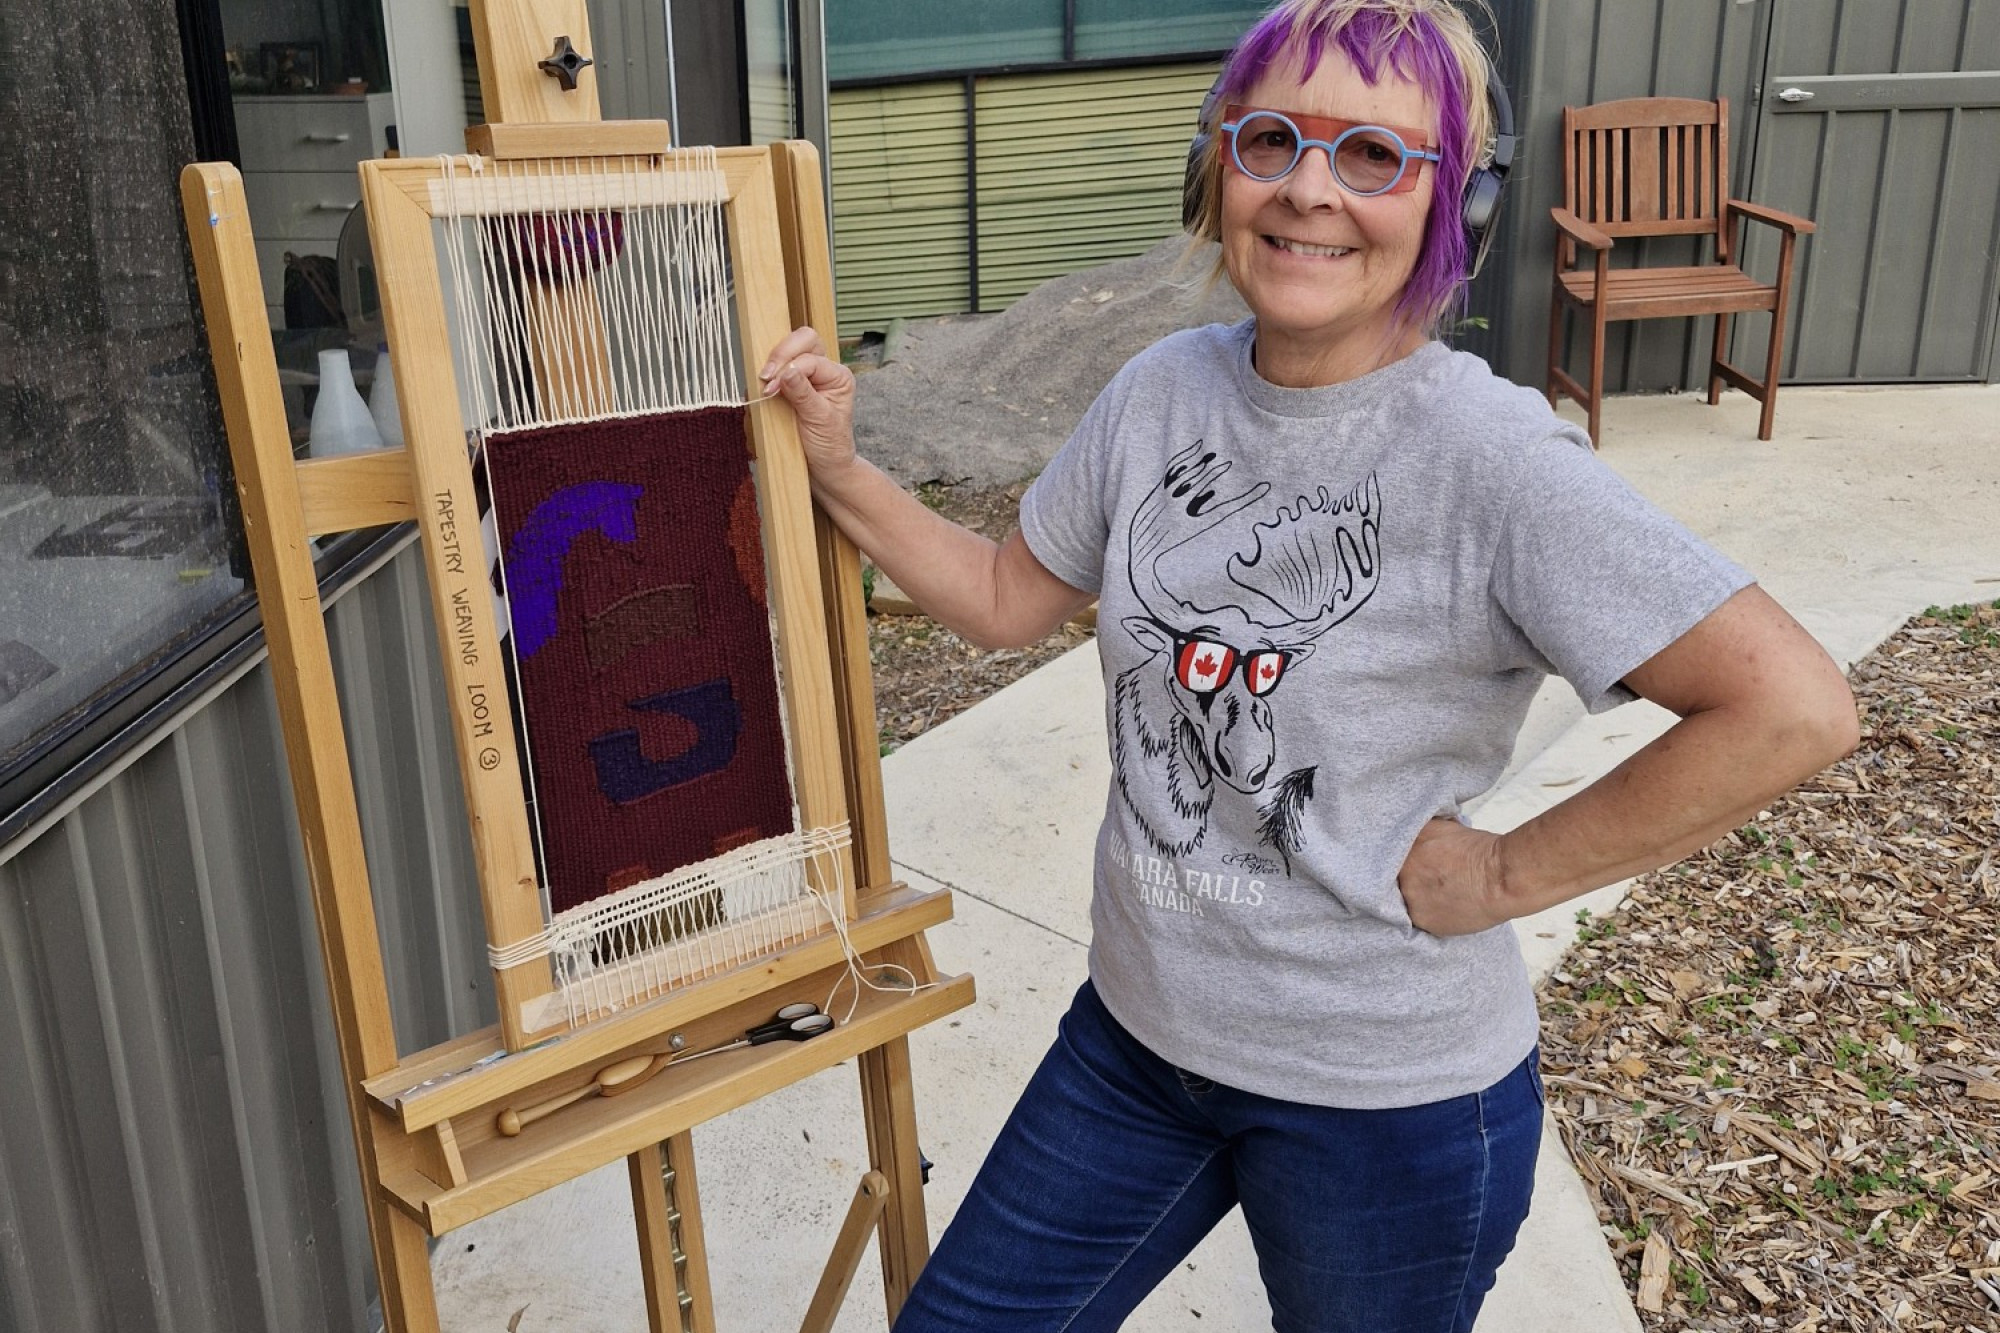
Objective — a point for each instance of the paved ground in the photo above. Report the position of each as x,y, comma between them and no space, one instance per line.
1870,505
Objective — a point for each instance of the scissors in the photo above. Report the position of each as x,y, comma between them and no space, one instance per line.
795,1022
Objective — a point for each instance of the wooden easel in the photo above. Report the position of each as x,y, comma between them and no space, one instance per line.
424,1124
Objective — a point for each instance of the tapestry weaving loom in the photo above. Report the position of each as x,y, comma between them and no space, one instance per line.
595,339
684,810
657,688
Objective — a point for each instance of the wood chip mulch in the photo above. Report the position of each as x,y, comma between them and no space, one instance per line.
1777,1065
925,674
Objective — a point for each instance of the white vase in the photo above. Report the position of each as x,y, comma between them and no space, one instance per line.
382,402
340,420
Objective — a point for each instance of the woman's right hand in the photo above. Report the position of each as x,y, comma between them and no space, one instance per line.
821,392
993,596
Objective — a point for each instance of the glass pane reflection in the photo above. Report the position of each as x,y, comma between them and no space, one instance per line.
113,537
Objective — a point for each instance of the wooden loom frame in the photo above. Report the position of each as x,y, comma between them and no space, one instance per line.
430,1154
403,198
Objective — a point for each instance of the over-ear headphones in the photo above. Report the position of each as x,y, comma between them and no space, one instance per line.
1479,207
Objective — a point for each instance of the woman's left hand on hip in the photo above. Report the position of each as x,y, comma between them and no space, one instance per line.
1451,879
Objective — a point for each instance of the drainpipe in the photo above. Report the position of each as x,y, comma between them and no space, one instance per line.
972,191
814,118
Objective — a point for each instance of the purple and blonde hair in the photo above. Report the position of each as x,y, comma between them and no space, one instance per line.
1428,42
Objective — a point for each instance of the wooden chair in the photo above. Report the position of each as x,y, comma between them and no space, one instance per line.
1659,166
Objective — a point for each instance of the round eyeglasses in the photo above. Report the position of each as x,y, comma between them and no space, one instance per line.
1367,159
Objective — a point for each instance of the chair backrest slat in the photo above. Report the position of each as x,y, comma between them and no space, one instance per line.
1600,156
1620,154
1673,174
1643,156
1705,169
1695,140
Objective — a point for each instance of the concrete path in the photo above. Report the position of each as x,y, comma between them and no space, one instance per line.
1870,505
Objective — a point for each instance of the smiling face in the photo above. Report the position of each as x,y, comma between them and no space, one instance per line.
1322,269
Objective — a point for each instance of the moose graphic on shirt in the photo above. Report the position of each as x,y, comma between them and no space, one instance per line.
1203,705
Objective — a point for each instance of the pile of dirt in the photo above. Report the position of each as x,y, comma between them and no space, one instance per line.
986,400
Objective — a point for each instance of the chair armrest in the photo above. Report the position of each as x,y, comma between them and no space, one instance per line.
1784,221
1580,231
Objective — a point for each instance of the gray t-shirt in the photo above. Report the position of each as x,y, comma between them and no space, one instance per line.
1323,613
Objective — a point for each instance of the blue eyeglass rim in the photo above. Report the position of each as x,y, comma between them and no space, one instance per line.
1303,143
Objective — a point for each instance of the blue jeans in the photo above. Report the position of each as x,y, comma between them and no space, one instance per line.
1115,1163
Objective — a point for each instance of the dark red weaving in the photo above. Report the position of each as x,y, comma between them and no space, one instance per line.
635,588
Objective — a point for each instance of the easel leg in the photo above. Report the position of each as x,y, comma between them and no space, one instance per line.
403,1269
890,1109
650,1214
666,1205
862,1214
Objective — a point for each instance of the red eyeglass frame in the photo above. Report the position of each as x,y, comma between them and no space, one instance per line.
1323,132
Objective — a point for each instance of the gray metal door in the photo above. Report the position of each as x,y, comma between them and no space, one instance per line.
1880,120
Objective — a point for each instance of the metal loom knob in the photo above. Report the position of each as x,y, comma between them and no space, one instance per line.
564,63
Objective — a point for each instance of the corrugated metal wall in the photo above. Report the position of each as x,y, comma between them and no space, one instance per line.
1555,52
899,218
174,1151
1891,142
1073,169
1079,169
1907,228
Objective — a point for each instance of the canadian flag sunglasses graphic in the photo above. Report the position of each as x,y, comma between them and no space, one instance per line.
1205,665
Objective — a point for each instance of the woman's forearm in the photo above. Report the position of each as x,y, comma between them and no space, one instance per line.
995,596
1762,708
1705,776
992,595
946,569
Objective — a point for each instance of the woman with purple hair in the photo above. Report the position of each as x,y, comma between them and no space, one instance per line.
1334,561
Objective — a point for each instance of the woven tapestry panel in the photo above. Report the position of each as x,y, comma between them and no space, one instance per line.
635,589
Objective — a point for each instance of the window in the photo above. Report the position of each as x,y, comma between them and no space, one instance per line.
770,60
1112,28
880,39
122,580
115,524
